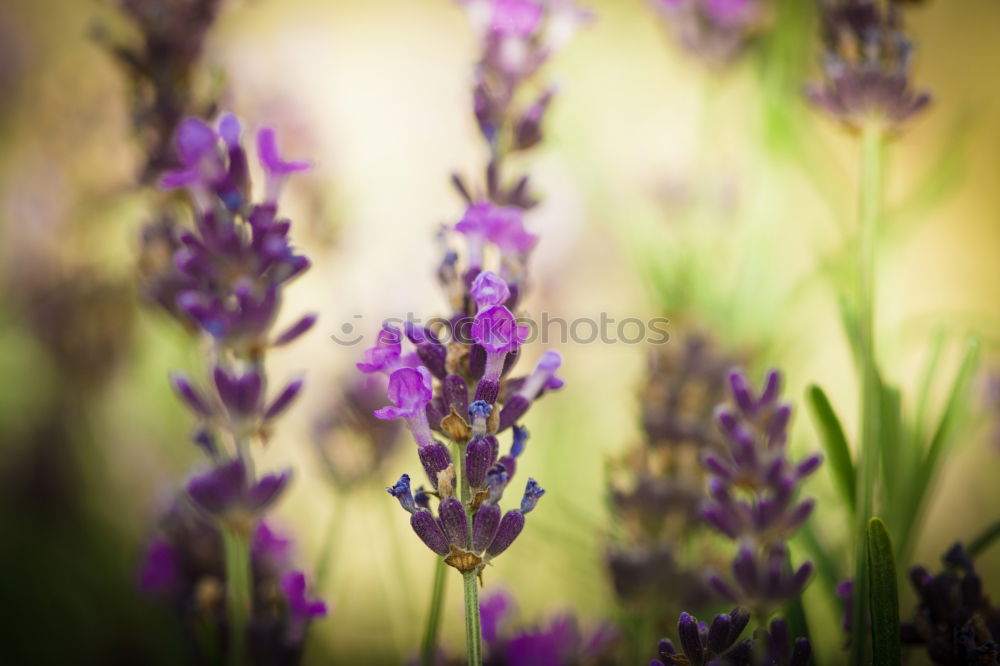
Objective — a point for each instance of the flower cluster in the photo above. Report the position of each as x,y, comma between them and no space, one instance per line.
866,66
753,487
657,488
184,568
232,268
464,391
716,31
234,265
719,643
954,619
467,390
160,70
516,37
558,641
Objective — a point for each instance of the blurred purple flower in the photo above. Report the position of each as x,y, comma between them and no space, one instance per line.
866,66
752,490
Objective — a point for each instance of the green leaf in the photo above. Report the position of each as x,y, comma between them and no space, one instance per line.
921,416
895,472
834,443
883,596
983,541
953,410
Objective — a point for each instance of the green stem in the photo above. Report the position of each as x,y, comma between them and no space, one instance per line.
870,206
239,592
473,632
983,541
433,625
328,544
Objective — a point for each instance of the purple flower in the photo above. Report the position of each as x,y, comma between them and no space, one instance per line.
225,489
866,66
501,225
516,18
197,148
293,584
409,391
755,458
385,355
715,31
489,290
270,548
230,269
763,580
160,571
703,644
401,491
953,618
276,168
492,611
542,378
496,330
532,493
557,641
294,331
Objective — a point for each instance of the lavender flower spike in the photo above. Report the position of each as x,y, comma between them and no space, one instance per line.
867,66
755,457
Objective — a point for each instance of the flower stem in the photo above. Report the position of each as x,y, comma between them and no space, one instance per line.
869,207
433,625
239,592
983,541
473,632
328,544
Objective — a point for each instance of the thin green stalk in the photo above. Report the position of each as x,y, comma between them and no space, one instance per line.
983,541
327,545
239,592
870,206
429,641
473,632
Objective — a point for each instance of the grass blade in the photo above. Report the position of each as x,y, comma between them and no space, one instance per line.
884,596
834,443
983,541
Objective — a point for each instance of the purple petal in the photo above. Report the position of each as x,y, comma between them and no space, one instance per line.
270,158
430,532
219,488
266,491
295,330
453,520
194,140
284,399
510,527
189,394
